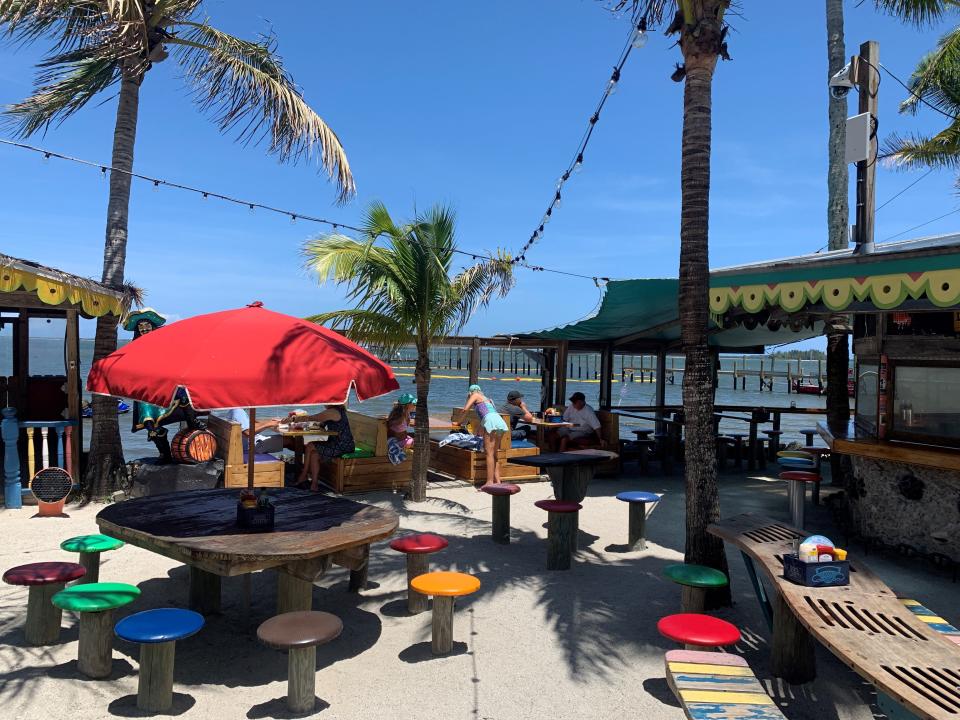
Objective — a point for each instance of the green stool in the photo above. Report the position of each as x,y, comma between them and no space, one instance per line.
95,602
695,581
90,547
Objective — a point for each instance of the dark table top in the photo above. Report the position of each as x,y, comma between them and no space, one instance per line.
557,459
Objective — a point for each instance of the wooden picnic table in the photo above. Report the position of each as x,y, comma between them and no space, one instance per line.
863,624
543,426
299,444
198,528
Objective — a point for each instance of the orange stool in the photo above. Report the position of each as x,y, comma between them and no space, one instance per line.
445,587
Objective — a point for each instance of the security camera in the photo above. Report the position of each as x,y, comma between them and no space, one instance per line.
841,84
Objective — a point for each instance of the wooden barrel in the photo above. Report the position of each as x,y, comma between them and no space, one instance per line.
193,446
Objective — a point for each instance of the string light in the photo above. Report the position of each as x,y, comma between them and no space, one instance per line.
635,40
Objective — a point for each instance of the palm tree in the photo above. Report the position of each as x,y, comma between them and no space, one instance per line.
403,291
98,45
702,31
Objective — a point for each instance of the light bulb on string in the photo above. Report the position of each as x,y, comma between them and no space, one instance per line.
156,185
556,200
614,79
250,206
578,165
293,219
46,158
103,172
206,196
640,38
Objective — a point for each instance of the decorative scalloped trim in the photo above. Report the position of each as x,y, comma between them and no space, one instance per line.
53,292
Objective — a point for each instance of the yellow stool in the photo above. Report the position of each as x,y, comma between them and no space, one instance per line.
445,587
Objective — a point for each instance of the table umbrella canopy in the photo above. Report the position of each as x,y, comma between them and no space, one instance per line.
250,357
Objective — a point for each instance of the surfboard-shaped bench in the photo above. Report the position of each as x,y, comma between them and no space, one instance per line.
716,686
935,622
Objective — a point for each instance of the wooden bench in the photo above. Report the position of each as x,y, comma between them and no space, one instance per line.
471,466
364,474
267,470
715,686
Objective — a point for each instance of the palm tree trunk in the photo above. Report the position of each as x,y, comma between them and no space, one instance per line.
421,433
105,466
838,351
703,501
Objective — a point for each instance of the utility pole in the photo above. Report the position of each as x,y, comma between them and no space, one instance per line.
865,69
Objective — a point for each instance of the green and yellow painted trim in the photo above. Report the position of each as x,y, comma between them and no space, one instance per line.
58,292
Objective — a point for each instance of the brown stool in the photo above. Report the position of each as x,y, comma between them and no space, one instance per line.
299,633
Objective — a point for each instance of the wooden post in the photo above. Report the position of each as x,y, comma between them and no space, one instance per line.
441,641
31,455
155,686
10,430
867,77
792,651
358,574
301,679
561,380
95,653
606,377
43,617
74,401
547,375
474,361
204,591
661,387
752,446
91,562
21,361
501,519
417,564
293,593
251,450
561,532
637,537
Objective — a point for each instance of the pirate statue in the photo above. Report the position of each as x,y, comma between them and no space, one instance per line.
152,418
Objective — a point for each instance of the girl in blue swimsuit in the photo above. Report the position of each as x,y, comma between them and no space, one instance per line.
493,429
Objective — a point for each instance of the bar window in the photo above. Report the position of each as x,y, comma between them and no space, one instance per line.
867,396
926,403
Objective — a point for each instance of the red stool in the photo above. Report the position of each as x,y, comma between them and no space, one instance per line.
561,531
501,493
698,632
797,492
417,548
44,580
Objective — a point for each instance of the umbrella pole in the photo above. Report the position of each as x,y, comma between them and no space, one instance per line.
251,446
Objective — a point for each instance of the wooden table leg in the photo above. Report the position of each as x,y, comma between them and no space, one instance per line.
441,641
792,651
43,617
358,575
752,447
204,591
293,593
95,649
155,685
417,564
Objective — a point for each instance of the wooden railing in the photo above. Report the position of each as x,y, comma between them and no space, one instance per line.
55,439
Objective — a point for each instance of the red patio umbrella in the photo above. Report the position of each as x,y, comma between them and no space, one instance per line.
250,357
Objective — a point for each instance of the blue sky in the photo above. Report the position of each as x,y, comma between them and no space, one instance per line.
480,106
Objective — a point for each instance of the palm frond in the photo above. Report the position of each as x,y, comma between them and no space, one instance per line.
940,151
652,10
366,326
245,87
936,79
68,83
918,12
475,286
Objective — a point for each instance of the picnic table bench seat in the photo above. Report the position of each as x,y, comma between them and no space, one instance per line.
370,468
267,469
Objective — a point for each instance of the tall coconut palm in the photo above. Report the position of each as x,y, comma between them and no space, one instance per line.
403,291
110,45
702,31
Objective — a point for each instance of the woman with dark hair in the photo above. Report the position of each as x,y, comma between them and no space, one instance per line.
334,419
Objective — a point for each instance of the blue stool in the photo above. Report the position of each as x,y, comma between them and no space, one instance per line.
157,631
795,463
637,500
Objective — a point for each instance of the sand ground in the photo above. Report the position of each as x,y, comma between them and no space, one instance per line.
529,644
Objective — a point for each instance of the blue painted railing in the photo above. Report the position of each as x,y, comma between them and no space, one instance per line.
10,429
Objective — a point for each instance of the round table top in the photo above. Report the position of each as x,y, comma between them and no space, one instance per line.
695,575
638,496
500,489
697,629
199,527
301,629
559,506
159,625
90,544
449,584
44,573
95,597
419,543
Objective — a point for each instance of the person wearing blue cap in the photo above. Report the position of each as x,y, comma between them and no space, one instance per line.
493,429
399,428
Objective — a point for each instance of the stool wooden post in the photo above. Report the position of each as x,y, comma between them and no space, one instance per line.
89,548
444,587
694,581
417,564
91,563
637,524
155,687
501,519
441,641
301,679
43,618
561,528
95,651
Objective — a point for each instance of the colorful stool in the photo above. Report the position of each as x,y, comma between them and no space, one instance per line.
694,580
808,434
95,602
797,491
298,633
774,442
417,548
157,632
561,531
90,547
44,580
698,632
501,493
445,587
637,501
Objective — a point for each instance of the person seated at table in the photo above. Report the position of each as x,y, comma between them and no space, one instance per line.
586,425
517,410
399,427
492,429
263,443
320,454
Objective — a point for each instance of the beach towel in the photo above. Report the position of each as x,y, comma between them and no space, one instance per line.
395,452
464,440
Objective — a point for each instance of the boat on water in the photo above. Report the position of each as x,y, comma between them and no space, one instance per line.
812,386
87,410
